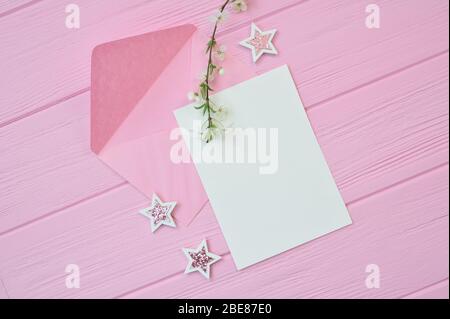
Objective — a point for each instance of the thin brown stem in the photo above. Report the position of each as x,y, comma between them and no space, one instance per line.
209,68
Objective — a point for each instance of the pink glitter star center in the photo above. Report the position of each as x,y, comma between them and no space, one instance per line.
260,42
159,213
200,259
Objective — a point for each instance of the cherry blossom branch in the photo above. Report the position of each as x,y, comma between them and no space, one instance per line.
212,43
212,126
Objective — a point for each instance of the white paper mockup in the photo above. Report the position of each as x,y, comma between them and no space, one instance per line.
267,179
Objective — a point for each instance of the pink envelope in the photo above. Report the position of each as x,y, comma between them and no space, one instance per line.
137,83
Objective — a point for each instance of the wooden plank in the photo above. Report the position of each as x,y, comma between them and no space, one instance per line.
404,231
98,233
370,139
436,291
46,62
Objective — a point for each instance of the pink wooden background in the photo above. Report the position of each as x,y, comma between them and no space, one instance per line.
377,100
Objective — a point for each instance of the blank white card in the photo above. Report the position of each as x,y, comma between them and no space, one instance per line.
270,186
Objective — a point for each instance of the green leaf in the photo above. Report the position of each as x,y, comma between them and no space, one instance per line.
200,106
212,106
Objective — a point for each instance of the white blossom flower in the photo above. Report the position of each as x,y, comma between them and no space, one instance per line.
221,71
206,135
219,16
191,96
220,52
220,113
194,97
212,75
240,5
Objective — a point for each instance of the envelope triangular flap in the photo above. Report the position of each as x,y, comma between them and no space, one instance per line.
123,71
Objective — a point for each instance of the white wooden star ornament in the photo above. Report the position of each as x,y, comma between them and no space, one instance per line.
159,213
260,42
200,259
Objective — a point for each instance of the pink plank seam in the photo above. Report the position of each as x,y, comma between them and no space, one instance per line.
424,288
44,107
404,181
52,213
381,78
18,8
